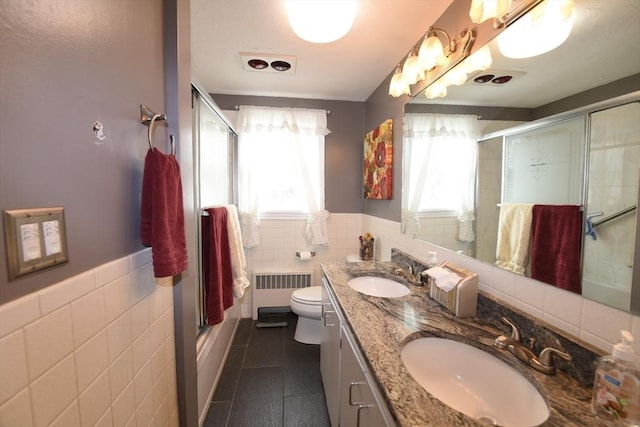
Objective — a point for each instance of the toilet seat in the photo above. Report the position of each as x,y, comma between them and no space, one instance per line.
308,296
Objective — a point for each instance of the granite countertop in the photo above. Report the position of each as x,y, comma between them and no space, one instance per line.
383,326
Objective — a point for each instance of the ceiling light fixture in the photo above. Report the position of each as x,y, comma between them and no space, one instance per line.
544,28
321,21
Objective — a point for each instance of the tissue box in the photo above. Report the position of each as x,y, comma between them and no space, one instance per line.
461,300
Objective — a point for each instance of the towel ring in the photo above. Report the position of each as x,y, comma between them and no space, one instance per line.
151,123
172,138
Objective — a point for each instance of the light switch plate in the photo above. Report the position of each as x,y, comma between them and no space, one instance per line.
35,239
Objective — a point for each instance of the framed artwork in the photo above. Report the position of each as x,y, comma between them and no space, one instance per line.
378,162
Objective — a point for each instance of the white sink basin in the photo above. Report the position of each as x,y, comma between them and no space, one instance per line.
378,287
474,382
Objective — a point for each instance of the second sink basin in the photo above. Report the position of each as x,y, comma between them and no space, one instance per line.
474,382
378,287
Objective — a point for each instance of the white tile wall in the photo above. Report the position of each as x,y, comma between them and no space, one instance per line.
592,322
281,239
95,349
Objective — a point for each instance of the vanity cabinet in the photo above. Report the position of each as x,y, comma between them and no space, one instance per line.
351,394
359,406
330,354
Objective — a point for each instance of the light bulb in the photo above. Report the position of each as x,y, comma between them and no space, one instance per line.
481,10
480,60
397,86
411,69
320,21
457,76
438,89
431,52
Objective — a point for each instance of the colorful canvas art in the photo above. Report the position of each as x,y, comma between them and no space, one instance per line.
378,160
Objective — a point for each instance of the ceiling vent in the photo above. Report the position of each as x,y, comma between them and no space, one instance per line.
268,63
493,77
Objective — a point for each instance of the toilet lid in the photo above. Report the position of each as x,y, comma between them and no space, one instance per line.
309,295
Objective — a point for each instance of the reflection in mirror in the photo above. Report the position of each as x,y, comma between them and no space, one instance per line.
614,156
438,176
540,220
593,70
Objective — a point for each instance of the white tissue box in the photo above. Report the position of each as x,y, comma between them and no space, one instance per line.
461,300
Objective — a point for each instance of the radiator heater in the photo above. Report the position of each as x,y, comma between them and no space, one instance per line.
275,289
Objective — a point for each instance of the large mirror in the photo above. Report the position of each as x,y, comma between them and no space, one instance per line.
571,115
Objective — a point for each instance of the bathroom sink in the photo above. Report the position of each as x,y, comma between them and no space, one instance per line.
474,382
378,287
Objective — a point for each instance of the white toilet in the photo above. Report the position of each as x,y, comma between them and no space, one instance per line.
307,304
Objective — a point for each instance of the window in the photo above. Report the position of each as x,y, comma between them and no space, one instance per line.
281,168
439,169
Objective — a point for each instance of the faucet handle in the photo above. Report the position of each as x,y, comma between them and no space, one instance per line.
410,269
546,356
515,332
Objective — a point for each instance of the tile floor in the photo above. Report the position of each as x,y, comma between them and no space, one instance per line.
269,380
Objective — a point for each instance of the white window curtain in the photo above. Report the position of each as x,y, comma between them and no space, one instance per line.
439,154
263,132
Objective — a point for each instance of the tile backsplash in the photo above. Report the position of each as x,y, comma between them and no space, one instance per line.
95,349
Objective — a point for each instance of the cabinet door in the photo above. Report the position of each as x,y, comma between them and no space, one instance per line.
359,407
330,355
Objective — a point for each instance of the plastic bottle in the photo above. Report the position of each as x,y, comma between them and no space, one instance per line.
616,387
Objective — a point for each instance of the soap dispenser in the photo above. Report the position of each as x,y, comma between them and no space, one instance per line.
616,386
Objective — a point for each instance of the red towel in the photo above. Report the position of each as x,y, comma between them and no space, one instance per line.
216,265
162,219
555,246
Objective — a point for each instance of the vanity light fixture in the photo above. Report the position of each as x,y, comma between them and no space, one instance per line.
321,21
458,75
412,71
432,61
437,89
480,60
398,87
432,51
481,10
544,28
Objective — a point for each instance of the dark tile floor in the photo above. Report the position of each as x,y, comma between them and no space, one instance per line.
269,380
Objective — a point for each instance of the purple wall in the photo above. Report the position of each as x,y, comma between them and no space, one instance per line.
65,65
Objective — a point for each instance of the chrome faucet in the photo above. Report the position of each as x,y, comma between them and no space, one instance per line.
543,363
415,278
